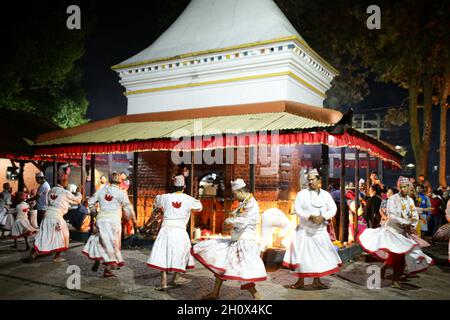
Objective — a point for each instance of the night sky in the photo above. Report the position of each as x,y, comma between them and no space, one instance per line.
119,33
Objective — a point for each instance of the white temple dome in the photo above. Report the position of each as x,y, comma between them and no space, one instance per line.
216,24
224,53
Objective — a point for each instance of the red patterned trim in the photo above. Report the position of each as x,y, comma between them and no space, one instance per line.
113,263
350,140
317,274
51,251
120,264
169,269
247,286
220,276
92,258
205,264
385,250
424,269
290,266
29,233
225,277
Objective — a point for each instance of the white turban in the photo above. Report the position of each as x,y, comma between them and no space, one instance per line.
179,181
238,184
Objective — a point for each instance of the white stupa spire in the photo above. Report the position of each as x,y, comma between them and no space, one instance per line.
221,53
216,24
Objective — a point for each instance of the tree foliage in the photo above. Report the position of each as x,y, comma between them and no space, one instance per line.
39,71
330,29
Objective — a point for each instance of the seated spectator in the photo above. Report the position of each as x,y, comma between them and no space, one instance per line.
80,218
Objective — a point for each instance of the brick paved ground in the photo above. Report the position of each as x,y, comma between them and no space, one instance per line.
44,279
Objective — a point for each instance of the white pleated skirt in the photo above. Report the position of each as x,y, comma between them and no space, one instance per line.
22,228
311,254
232,260
382,240
171,251
33,219
105,245
417,261
50,237
6,219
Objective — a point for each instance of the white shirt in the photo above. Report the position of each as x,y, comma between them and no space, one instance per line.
42,192
112,201
177,206
246,220
60,199
399,211
22,211
312,203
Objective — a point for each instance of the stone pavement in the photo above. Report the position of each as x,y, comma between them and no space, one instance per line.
44,279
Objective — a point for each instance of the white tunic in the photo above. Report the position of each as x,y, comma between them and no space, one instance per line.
172,248
310,203
6,213
239,258
22,226
401,211
311,253
105,245
53,233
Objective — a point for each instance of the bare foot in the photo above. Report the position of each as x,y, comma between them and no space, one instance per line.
108,274
319,285
180,281
257,296
161,288
210,296
298,285
33,254
396,285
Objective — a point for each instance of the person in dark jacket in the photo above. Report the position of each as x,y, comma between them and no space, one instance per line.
372,208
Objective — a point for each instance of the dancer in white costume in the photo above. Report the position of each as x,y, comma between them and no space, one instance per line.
391,242
239,258
172,249
311,253
6,212
22,226
53,235
104,245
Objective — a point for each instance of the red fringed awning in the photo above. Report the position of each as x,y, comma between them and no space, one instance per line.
363,164
351,139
